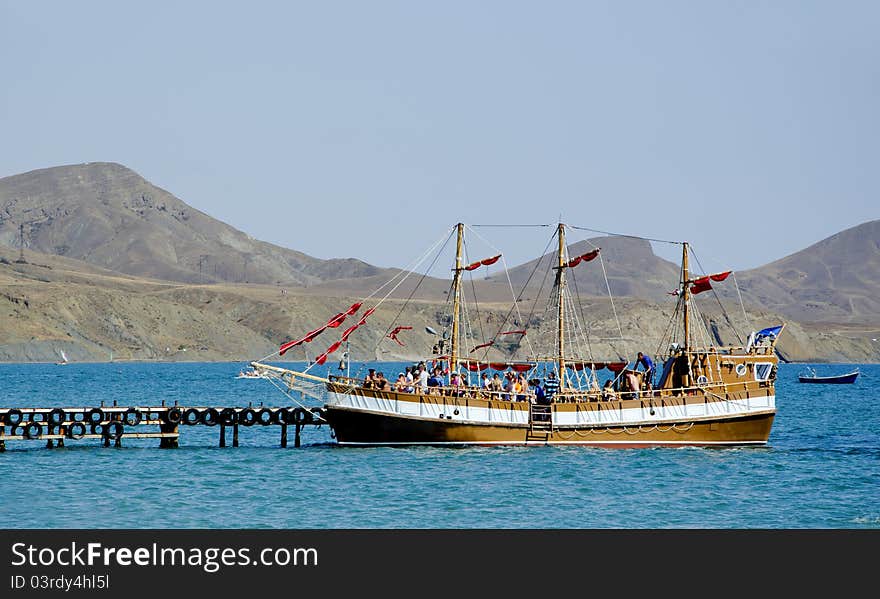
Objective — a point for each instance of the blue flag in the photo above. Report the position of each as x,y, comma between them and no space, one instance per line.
768,332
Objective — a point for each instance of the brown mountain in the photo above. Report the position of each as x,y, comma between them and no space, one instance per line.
836,280
632,268
108,215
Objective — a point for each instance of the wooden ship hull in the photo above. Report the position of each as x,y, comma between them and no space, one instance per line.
734,410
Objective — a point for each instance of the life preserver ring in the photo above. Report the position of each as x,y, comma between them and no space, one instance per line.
210,417
34,430
191,416
76,430
114,430
95,415
702,381
740,369
173,416
247,417
56,417
228,416
13,417
132,417
265,417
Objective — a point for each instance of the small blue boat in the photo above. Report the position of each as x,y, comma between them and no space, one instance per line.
840,379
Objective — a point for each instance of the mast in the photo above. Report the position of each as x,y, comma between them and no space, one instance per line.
685,295
456,299
560,308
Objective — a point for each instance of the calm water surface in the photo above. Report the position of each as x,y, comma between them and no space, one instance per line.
821,468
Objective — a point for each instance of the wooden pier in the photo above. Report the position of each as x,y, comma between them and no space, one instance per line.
109,425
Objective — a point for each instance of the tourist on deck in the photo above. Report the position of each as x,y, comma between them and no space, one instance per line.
381,383
409,377
608,393
370,379
423,378
457,384
508,387
643,360
485,382
495,384
435,381
400,384
520,387
551,384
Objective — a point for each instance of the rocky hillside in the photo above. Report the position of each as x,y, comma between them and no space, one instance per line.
51,304
835,281
109,216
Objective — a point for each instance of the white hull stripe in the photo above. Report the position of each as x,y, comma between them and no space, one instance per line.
434,408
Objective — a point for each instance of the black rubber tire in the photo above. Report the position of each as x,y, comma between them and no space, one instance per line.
95,416
210,417
299,416
278,416
13,417
228,416
17,431
56,417
289,415
132,417
34,430
98,429
114,430
191,416
247,417
76,430
265,417
173,416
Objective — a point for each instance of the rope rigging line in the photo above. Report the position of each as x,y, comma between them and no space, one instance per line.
512,292
718,299
406,273
625,235
515,307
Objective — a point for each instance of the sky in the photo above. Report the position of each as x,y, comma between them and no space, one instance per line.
368,129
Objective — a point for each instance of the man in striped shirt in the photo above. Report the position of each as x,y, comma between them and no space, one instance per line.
551,385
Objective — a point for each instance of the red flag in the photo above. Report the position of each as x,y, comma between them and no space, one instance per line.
483,262
519,332
393,334
336,320
482,345
583,257
720,276
349,331
700,285
353,308
363,319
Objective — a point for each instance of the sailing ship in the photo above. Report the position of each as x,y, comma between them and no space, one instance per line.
64,361
700,395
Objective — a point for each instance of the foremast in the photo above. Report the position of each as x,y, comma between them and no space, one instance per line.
456,299
560,306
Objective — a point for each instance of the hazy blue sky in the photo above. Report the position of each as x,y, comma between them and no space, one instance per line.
367,129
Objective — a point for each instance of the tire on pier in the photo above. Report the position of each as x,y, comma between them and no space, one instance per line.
13,417
172,416
279,416
132,417
191,416
17,430
95,416
228,416
210,417
265,417
247,417
98,429
300,415
114,430
34,430
289,415
76,430
56,417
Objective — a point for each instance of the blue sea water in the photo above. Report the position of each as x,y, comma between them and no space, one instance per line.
821,468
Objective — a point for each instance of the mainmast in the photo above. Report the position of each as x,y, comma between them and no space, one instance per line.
685,297
456,299
560,314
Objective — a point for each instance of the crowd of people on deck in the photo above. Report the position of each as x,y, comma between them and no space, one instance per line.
508,386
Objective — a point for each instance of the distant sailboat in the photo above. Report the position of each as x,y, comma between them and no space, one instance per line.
64,359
